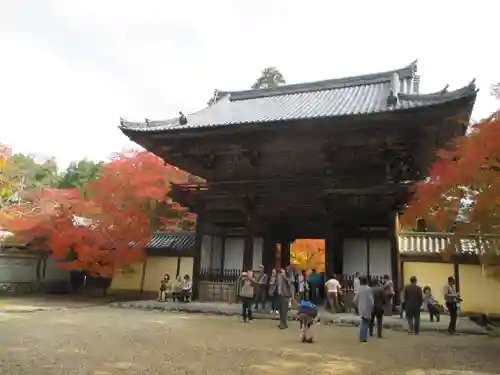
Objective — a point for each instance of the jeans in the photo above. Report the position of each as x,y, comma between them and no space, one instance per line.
413,317
246,308
284,311
388,306
377,316
275,303
452,309
364,327
314,294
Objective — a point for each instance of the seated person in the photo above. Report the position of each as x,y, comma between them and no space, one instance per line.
431,304
165,288
185,289
177,289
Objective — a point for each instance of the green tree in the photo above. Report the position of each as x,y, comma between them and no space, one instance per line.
79,173
270,77
24,172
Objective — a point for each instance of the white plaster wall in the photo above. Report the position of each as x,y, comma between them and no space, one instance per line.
380,256
355,256
216,253
257,252
206,244
211,252
234,253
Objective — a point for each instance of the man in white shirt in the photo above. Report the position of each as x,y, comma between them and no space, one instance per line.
332,287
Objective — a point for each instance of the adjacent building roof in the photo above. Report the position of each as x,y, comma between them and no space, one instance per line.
395,90
435,243
179,241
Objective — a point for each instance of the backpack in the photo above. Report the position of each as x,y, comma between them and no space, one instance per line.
308,308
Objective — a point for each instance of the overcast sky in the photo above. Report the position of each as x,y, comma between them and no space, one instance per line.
70,68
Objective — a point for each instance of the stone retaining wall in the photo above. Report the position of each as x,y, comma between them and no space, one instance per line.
17,288
217,291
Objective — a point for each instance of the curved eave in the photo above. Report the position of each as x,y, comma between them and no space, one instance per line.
406,103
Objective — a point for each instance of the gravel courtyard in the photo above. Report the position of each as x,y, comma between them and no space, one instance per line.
102,341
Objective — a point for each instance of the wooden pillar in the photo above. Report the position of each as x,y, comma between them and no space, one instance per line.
338,263
330,249
368,254
212,243
394,250
268,253
197,256
334,254
222,254
285,253
143,274
248,247
456,274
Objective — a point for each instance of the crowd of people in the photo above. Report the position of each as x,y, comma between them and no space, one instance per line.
179,291
372,299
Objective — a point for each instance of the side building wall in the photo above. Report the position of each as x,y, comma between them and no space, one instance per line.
18,274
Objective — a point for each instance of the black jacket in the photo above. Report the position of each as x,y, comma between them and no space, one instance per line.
413,297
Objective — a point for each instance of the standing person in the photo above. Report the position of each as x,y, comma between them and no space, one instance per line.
290,273
246,291
451,298
261,288
363,300
285,292
332,287
303,285
356,282
273,291
388,287
314,280
413,299
378,308
432,304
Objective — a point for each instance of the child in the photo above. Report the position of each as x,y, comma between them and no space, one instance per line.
307,313
432,304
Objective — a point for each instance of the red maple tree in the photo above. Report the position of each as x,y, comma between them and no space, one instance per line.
462,192
119,209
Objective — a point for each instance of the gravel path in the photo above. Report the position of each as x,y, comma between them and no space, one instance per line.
103,341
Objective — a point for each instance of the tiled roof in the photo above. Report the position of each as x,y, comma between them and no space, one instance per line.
173,241
358,95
